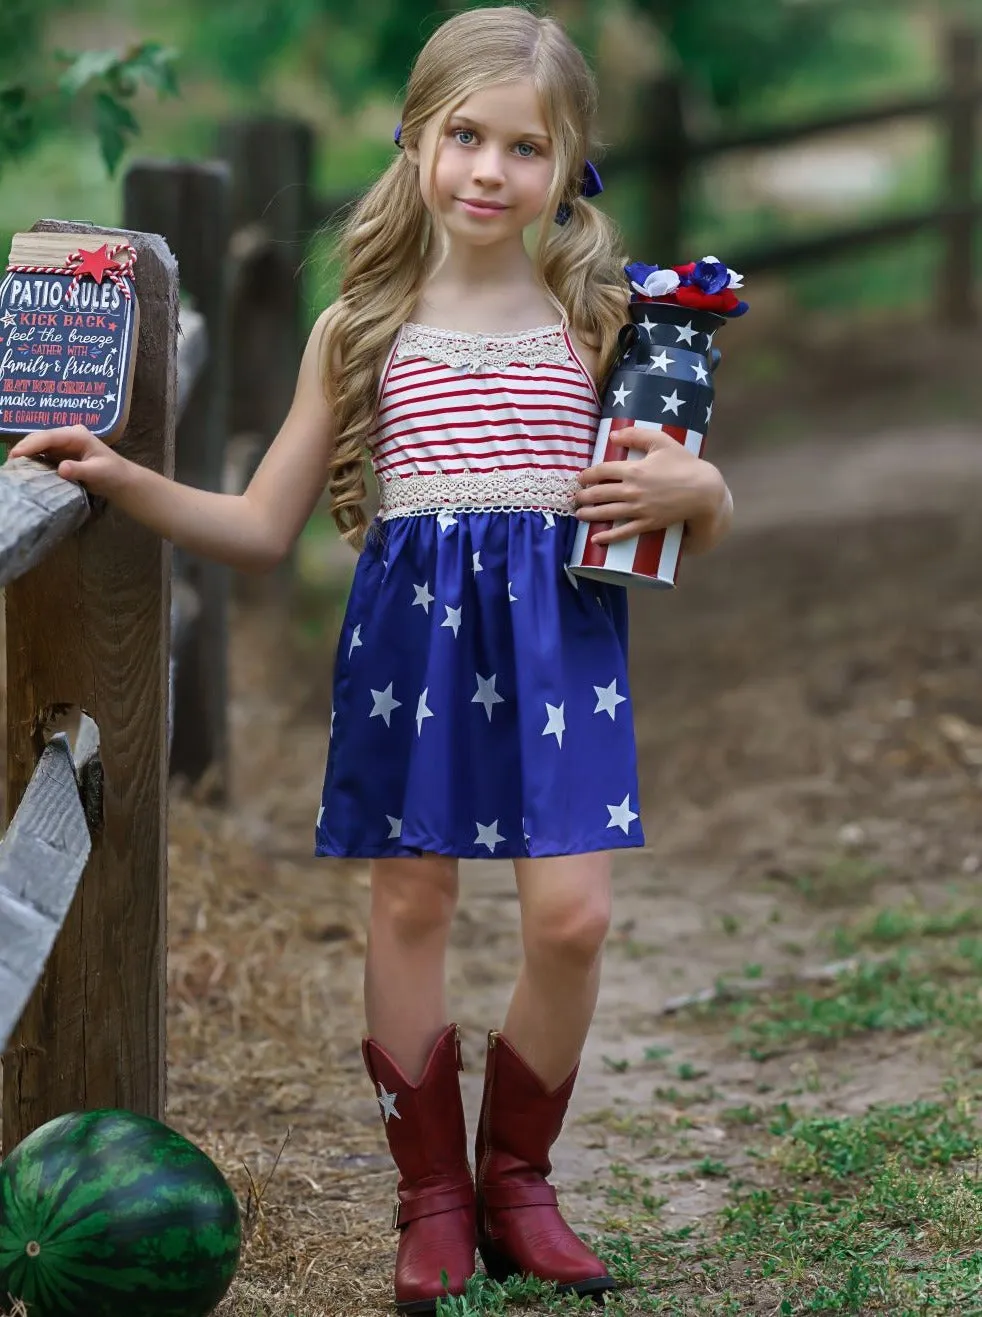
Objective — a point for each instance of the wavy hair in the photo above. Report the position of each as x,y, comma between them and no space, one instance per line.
386,241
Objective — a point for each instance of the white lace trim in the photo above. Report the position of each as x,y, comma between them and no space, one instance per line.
471,491
453,347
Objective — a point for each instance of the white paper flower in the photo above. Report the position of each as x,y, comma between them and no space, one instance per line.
658,284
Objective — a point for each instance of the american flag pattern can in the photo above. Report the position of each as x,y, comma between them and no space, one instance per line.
663,380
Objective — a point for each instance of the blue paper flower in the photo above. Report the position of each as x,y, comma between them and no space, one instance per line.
710,275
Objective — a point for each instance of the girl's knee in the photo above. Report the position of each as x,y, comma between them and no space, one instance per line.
571,929
415,897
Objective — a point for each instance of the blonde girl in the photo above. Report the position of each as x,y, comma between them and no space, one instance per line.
481,702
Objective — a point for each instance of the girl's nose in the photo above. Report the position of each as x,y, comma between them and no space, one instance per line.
488,166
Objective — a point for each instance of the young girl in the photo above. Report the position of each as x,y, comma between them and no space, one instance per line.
481,704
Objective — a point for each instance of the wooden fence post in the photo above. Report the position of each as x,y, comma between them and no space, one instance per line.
661,151
962,65
190,206
89,626
271,163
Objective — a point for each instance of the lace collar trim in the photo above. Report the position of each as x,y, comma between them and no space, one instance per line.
470,351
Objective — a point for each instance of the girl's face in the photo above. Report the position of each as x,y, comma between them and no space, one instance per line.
494,164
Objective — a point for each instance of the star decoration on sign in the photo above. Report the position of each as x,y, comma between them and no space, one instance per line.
701,373
452,619
685,333
9,320
486,693
355,639
387,1101
661,362
608,699
423,597
110,397
422,712
556,724
621,396
95,264
395,827
384,704
445,520
621,816
488,835
673,403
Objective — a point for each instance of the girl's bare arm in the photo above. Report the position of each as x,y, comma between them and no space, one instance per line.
252,531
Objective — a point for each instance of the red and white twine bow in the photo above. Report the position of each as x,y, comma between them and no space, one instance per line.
96,264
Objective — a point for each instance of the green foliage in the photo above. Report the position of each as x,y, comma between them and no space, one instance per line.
97,85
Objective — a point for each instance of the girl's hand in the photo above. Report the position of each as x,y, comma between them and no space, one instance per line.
668,485
79,456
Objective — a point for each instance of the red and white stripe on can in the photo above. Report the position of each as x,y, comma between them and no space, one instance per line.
651,559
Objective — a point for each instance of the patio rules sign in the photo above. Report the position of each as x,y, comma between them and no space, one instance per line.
69,322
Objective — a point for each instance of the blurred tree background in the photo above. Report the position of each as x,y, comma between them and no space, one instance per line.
73,80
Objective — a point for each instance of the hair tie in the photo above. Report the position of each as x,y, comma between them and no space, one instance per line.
591,185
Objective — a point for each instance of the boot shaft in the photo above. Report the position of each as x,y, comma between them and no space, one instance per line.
520,1118
424,1122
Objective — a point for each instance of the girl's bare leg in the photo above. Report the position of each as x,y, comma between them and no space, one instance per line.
412,906
566,903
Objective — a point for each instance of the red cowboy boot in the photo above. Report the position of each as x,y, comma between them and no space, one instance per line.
519,1228
424,1126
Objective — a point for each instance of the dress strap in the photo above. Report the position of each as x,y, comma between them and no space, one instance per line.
579,361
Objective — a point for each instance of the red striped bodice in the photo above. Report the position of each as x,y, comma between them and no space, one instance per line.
482,421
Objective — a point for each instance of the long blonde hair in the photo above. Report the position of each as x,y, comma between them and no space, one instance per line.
385,242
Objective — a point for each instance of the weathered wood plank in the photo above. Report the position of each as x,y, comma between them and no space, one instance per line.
88,627
190,205
37,511
42,858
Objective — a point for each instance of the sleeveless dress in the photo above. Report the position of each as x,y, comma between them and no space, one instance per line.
480,698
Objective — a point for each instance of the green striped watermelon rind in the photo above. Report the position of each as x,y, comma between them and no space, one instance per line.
110,1211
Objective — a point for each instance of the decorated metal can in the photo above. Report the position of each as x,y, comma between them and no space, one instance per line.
662,380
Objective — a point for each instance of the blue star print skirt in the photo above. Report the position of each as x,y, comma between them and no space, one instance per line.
481,704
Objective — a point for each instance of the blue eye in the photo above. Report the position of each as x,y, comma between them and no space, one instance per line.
466,131
530,147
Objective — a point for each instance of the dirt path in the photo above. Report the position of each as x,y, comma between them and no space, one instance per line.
810,728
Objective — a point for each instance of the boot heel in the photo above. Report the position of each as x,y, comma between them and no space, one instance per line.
497,1265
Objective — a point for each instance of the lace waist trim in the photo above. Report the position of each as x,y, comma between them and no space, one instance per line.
470,491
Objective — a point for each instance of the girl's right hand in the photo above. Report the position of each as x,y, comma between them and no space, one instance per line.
79,455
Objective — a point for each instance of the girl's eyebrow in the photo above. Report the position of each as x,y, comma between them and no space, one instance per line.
472,123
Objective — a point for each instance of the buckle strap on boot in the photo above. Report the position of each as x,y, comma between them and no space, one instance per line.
519,1195
431,1204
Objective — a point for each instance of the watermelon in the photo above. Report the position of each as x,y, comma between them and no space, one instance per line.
104,1213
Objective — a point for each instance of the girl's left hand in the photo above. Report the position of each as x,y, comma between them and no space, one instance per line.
669,484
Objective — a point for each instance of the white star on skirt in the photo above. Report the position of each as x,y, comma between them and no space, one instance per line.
445,519
608,699
486,693
387,1101
423,596
384,704
488,835
557,721
355,639
621,816
395,827
422,712
452,619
